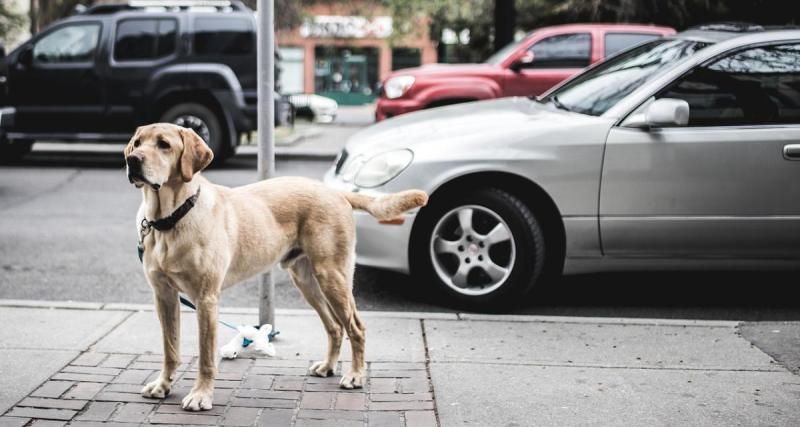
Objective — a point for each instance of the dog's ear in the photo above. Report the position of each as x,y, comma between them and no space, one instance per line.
196,154
129,148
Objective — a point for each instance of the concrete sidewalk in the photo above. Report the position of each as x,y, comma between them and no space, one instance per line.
84,364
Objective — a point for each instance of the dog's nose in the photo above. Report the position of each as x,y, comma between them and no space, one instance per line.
134,162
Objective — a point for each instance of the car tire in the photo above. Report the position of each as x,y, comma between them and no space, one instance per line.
502,250
202,120
12,152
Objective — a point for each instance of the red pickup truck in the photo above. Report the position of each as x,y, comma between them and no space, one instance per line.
530,66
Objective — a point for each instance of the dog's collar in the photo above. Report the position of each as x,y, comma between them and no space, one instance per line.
169,222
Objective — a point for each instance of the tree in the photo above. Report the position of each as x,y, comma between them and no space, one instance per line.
10,21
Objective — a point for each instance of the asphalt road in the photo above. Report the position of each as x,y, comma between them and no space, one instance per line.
67,232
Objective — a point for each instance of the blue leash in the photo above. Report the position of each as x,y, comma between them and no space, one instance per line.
187,303
245,342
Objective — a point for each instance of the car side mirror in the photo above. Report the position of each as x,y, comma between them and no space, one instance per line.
664,112
25,57
521,62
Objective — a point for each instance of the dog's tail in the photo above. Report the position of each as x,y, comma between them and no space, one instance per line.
388,208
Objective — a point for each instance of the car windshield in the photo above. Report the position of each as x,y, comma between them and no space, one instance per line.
600,88
503,53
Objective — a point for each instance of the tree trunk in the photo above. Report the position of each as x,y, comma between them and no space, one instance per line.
504,23
33,14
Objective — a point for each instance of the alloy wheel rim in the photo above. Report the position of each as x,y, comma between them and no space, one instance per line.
472,250
194,123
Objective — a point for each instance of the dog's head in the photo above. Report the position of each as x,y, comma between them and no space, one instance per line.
163,152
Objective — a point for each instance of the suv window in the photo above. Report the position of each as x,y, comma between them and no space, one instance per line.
144,39
68,44
223,36
615,42
756,86
562,51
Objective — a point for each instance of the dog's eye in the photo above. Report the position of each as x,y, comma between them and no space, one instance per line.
136,143
163,145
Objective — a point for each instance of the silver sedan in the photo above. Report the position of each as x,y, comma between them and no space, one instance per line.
681,152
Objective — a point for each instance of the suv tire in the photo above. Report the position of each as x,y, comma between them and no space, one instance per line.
203,121
12,152
501,255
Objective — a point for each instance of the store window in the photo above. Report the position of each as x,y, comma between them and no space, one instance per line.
406,57
346,74
291,74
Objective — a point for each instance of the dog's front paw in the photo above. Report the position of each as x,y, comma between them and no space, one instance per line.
157,389
321,369
198,400
352,380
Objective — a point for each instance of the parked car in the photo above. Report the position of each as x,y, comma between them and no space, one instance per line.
320,109
681,152
527,67
99,74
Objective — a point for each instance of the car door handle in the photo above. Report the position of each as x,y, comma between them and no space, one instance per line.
791,152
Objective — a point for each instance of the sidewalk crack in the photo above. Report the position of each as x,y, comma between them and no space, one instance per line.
428,370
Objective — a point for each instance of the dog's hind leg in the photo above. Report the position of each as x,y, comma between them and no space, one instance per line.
336,283
303,278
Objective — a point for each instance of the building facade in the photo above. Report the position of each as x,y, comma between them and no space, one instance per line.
344,51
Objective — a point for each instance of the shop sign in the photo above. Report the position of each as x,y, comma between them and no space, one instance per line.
347,27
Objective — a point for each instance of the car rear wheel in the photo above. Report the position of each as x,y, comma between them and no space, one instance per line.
203,121
483,249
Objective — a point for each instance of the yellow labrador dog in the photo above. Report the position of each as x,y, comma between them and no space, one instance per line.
200,238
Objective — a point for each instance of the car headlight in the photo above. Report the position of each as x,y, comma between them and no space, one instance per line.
396,87
351,168
376,170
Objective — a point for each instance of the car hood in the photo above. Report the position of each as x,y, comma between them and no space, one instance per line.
447,70
463,129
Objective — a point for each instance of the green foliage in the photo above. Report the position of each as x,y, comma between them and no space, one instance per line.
477,16
10,21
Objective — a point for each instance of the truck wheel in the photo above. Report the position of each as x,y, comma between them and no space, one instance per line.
482,249
13,151
203,121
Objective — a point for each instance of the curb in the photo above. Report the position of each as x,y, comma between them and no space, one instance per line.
464,317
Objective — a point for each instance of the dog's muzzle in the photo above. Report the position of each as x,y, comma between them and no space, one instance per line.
135,174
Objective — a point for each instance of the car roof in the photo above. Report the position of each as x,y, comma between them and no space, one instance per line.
608,26
715,33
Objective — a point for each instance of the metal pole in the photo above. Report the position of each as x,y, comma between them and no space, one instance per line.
266,134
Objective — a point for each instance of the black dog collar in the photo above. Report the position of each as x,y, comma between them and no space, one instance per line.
169,222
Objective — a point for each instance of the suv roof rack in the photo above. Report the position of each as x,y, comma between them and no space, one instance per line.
731,27
161,5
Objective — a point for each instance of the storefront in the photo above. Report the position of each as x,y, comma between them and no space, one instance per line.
344,56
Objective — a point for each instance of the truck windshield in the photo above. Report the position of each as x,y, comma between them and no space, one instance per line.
501,54
600,88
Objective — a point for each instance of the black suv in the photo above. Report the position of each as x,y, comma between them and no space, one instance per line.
99,74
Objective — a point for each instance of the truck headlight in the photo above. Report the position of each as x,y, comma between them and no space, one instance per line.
382,168
396,87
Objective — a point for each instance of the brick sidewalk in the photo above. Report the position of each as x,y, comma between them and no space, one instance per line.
103,389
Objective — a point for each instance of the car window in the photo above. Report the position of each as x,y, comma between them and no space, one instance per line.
562,51
68,44
601,87
615,42
756,86
144,39
223,36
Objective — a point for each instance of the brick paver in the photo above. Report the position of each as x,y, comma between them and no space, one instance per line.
99,389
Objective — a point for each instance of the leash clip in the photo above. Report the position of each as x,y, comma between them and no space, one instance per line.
145,228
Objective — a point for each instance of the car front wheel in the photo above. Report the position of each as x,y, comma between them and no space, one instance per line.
482,249
205,123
